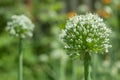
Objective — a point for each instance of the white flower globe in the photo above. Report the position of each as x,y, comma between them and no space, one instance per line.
86,33
20,26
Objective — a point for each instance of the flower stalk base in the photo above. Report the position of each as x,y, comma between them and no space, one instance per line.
20,55
86,66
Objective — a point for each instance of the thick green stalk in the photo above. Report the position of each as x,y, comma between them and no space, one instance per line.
20,56
94,65
74,75
86,66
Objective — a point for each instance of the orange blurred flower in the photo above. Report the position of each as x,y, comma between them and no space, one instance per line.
70,14
107,1
103,13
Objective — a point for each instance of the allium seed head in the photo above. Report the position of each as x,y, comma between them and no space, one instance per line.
20,26
86,33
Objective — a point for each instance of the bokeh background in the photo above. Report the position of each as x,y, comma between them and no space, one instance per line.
44,56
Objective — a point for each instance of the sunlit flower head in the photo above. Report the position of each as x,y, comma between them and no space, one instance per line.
20,26
86,33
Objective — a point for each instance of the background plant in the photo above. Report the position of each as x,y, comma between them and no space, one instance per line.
21,27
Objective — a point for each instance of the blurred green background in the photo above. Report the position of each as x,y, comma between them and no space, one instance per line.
44,56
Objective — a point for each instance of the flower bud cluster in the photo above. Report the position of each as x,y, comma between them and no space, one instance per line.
20,26
86,33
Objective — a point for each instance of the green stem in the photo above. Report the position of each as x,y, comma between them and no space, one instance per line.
94,65
20,69
74,75
86,66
